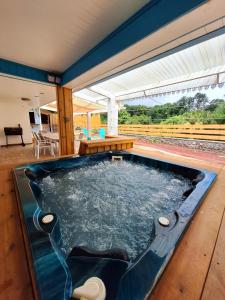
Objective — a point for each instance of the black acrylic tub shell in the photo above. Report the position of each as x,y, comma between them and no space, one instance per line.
57,275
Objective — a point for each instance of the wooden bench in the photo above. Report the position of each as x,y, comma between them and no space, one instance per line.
108,144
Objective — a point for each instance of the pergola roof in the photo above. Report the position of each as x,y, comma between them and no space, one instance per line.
88,94
199,66
83,106
79,106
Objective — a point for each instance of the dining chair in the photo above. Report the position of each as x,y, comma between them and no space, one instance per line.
40,144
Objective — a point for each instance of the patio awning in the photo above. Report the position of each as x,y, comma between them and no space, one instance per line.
196,68
79,106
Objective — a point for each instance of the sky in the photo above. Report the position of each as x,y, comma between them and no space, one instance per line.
216,93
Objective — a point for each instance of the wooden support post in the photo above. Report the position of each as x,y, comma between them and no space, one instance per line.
65,113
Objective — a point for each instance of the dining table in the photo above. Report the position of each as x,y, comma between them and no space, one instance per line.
54,138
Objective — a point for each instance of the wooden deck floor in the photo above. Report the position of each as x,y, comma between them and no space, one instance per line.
196,271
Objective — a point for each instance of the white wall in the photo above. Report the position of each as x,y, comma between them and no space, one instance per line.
12,113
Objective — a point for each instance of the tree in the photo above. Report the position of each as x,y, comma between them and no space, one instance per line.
124,117
103,117
185,104
191,110
200,101
213,104
143,119
220,108
175,120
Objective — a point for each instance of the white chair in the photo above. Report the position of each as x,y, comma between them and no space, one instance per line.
55,143
42,144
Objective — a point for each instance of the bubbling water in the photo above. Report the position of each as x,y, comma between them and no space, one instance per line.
111,204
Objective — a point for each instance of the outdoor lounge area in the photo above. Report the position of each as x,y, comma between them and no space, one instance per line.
112,150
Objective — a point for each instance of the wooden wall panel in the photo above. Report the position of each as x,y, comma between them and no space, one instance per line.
81,121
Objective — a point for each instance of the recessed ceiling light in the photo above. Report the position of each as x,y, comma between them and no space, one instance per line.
42,93
25,99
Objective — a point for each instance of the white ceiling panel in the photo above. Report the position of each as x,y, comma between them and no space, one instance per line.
52,34
13,89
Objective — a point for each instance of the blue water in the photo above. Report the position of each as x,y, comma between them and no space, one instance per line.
111,204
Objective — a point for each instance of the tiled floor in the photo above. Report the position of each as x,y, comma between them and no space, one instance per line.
13,155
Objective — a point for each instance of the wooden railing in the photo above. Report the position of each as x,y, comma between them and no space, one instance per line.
213,132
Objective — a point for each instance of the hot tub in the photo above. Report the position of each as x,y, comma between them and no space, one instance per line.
117,216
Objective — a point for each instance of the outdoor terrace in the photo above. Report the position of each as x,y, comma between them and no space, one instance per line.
196,271
106,53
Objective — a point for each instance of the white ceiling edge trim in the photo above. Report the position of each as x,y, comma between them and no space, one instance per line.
205,19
